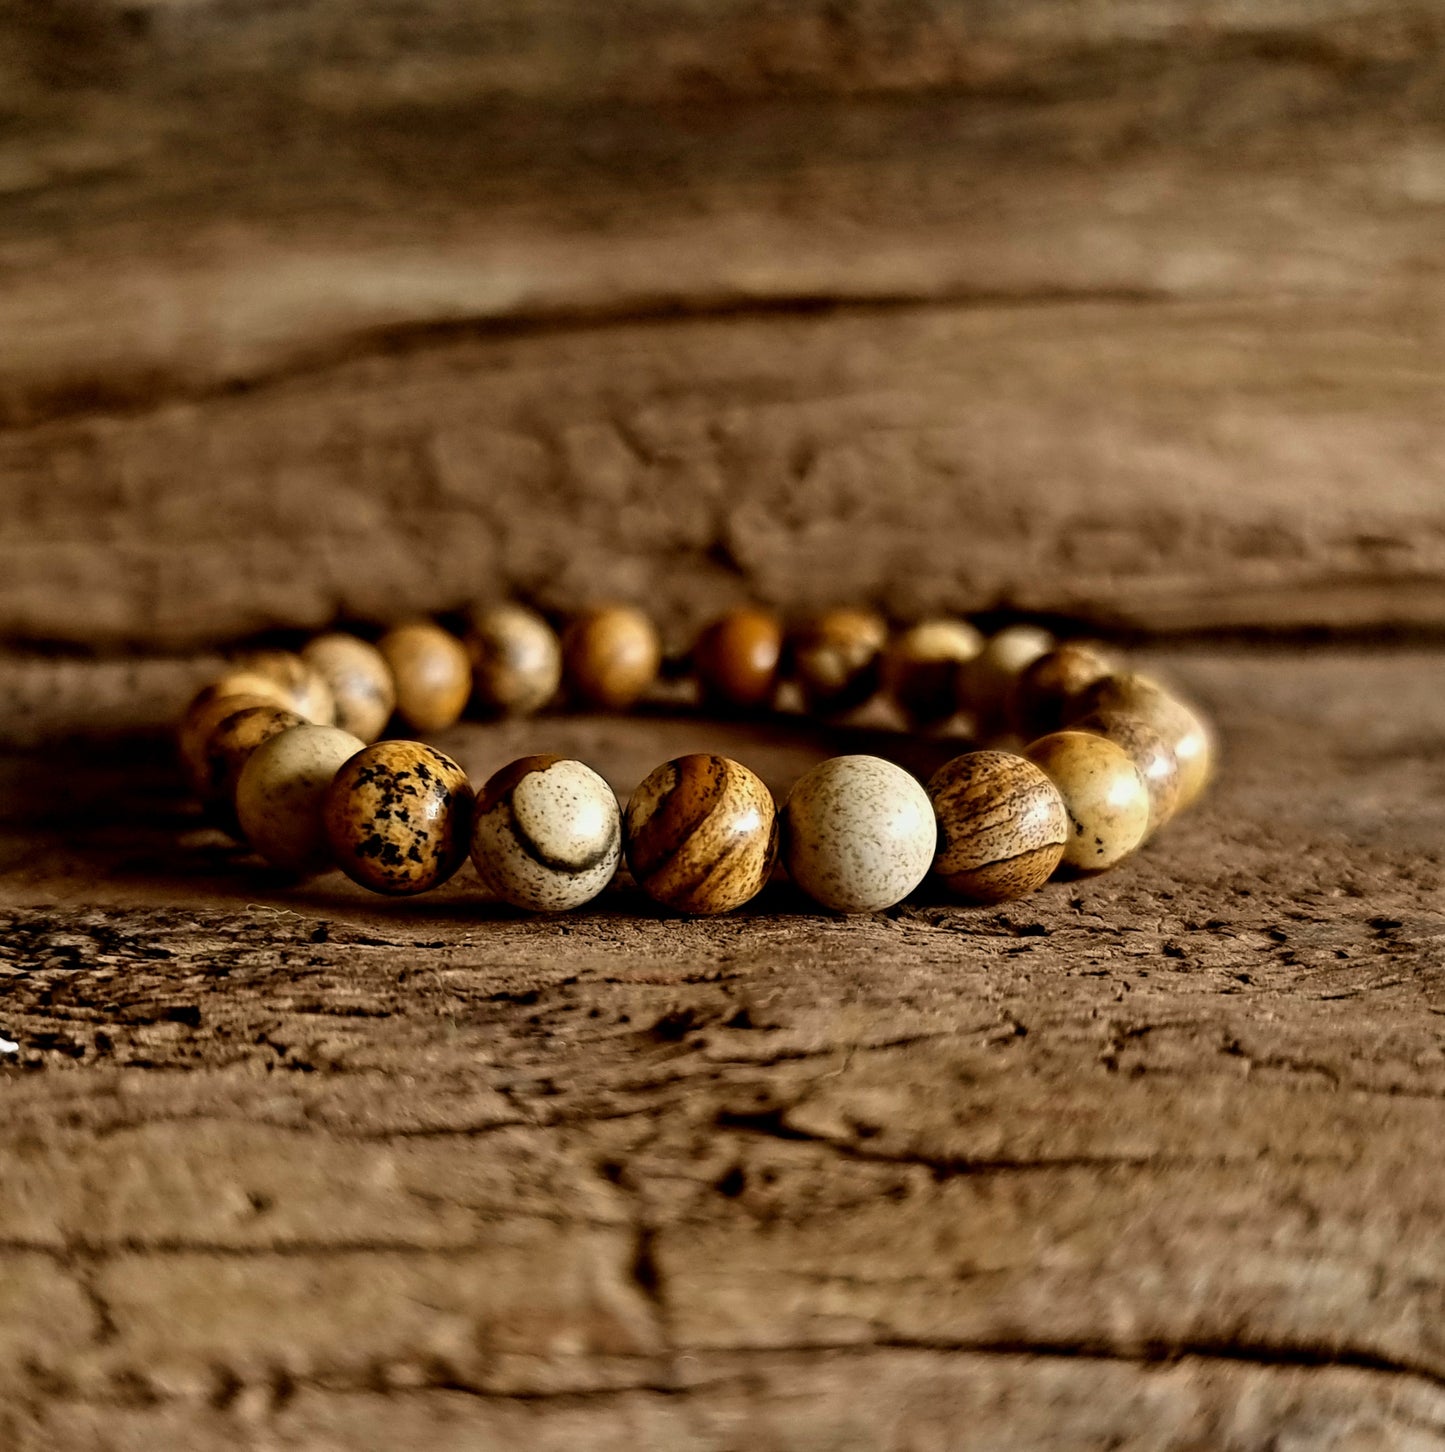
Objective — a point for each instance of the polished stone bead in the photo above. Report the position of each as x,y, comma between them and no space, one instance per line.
432,672
987,682
398,817
701,834
835,658
282,789
1153,759
208,708
1105,797
1046,694
304,690
548,834
611,656
516,659
923,668
858,834
227,750
1001,825
360,681
737,659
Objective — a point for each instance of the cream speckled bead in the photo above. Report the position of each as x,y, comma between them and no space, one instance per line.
432,671
701,834
360,681
304,689
516,659
988,679
1150,753
858,834
282,789
1001,825
1105,797
924,665
548,834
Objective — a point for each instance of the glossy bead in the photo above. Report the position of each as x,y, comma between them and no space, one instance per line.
701,834
281,791
611,655
1185,732
1001,825
548,834
516,659
227,750
987,682
432,671
858,834
360,682
737,659
304,689
398,817
835,658
1146,748
923,668
207,710
1046,694
1105,797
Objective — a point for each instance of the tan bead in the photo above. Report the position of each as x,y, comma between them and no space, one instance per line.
207,710
701,834
398,817
923,668
432,671
1045,696
227,750
1105,797
1185,732
282,789
836,656
305,690
1001,825
988,680
737,659
516,659
612,655
1151,755
360,682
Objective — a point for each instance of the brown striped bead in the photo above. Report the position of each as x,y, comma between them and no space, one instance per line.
1046,694
701,834
1001,825
398,817
835,658
612,655
737,658
207,710
432,671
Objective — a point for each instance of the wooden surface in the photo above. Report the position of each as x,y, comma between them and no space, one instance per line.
1149,1161
1129,311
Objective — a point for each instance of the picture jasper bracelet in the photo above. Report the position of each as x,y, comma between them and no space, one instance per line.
283,752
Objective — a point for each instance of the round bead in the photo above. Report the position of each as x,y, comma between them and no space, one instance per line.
1001,825
548,834
702,834
206,711
858,834
835,658
1185,732
228,748
737,658
923,668
360,681
516,659
1150,753
303,689
612,655
988,680
281,791
398,817
432,671
1046,694
1105,797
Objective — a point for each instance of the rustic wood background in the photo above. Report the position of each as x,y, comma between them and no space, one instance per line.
1128,313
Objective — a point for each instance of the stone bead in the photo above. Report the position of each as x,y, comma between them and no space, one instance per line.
548,834
304,690
432,671
1045,696
207,710
282,789
360,681
398,816
701,834
835,658
1152,757
1001,825
227,750
988,680
516,659
858,834
611,656
1105,797
923,668
1185,732
737,659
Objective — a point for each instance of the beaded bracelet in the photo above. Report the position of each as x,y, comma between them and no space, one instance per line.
283,751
